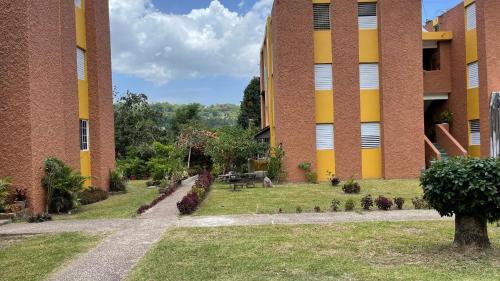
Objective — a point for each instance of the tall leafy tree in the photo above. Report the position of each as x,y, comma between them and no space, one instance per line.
136,123
250,106
184,115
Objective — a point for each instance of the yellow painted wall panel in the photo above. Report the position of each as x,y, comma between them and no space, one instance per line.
370,105
371,163
468,2
473,104
471,46
85,167
323,46
325,162
321,1
475,151
368,45
83,99
81,37
324,107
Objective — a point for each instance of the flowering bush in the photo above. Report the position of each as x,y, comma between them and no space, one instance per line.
198,192
384,203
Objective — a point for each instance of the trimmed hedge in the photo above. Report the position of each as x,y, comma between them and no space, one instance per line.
198,193
92,195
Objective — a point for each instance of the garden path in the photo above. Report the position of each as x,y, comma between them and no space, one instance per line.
130,239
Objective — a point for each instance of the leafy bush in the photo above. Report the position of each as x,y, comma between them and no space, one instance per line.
335,205
62,185
20,194
92,195
445,117
399,202
188,204
298,209
4,193
317,209
276,168
117,182
39,218
304,166
469,189
367,202
133,167
420,203
349,205
351,187
384,203
311,177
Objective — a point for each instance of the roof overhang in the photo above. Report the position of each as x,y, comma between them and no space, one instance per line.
435,96
437,36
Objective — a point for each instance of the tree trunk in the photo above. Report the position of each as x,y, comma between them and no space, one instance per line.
471,232
189,158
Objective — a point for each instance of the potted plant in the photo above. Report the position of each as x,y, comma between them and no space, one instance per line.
445,117
20,197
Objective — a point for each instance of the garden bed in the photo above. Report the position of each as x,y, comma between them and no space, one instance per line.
222,201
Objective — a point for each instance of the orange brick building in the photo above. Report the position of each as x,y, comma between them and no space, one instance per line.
356,88
55,91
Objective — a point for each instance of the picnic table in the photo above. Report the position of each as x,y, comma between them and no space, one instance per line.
240,180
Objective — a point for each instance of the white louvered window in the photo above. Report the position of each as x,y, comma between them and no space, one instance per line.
324,137
471,16
321,14
84,135
78,3
368,76
323,77
370,135
473,75
367,15
80,63
475,132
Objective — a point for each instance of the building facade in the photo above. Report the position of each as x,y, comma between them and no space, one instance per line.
55,91
357,88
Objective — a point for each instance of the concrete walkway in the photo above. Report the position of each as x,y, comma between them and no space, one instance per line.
118,253
309,218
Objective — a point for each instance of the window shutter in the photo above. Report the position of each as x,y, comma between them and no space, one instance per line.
475,132
370,135
84,135
473,73
78,3
321,16
369,76
471,16
324,137
323,77
367,15
80,63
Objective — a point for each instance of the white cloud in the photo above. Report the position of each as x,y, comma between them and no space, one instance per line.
160,47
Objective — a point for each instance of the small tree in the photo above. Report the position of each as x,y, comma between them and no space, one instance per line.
469,189
276,167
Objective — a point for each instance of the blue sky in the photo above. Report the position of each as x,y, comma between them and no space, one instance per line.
171,53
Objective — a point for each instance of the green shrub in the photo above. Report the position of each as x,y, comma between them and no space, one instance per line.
311,177
62,185
133,167
335,205
276,168
298,209
420,203
117,182
92,195
399,202
351,187
469,189
349,205
4,193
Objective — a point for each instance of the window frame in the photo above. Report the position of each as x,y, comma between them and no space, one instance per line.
370,140
84,135
318,14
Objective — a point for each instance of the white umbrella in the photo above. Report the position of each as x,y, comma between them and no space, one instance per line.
495,124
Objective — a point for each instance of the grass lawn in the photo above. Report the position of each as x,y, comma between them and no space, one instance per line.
356,251
118,206
223,201
35,257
